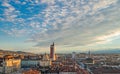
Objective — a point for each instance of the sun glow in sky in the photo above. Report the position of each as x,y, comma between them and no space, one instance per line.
74,25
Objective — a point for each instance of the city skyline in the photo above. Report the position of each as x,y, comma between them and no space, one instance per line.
75,25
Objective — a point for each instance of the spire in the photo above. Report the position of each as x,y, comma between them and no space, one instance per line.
53,43
89,54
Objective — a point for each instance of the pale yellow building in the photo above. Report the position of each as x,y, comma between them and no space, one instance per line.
11,64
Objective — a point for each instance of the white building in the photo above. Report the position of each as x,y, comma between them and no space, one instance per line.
28,63
45,61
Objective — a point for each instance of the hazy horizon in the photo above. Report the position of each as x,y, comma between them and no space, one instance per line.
75,25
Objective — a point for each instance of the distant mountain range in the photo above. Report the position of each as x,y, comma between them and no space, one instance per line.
107,51
6,52
110,51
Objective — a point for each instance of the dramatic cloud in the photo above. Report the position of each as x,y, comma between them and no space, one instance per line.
68,23
76,29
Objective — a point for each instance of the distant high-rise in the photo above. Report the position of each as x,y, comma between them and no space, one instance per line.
52,52
89,54
73,55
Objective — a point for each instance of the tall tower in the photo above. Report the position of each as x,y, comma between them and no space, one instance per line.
52,52
89,54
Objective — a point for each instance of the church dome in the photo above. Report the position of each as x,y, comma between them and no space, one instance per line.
45,57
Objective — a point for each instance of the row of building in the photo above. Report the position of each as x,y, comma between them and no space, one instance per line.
39,64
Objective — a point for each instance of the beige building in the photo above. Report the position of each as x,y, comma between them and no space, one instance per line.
11,64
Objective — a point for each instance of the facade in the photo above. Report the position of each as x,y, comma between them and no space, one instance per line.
28,63
9,64
1,64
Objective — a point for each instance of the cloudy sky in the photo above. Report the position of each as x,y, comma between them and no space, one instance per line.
74,25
